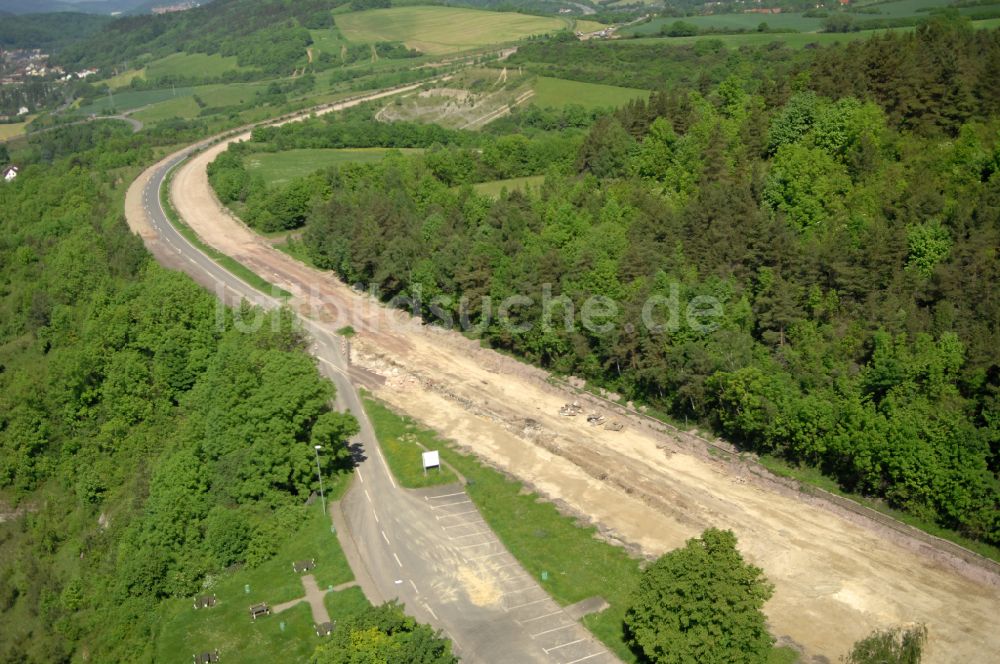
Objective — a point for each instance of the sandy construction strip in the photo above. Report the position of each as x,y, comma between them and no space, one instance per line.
837,577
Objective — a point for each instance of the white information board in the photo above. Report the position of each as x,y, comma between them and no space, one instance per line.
431,460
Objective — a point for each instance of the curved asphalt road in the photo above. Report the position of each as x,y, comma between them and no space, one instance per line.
430,549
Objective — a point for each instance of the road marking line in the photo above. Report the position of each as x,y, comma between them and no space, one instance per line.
397,559
414,586
472,546
489,555
519,606
479,532
571,643
368,495
461,502
376,516
444,495
384,537
547,615
554,629
427,606
445,516
360,476
596,654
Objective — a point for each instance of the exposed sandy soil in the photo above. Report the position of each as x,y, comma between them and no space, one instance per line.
837,576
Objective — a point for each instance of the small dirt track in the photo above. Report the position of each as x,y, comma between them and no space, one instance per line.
837,577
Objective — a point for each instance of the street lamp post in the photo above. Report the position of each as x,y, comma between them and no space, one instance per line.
319,474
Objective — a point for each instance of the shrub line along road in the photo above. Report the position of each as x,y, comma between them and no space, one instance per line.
430,549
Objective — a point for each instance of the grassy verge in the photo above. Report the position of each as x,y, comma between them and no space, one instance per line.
225,261
288,636
813,477
400,440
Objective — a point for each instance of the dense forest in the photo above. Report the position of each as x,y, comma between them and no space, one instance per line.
841,208
148,436
49,32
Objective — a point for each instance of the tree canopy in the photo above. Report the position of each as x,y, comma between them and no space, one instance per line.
701,603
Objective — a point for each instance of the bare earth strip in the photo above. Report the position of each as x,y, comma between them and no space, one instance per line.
837,576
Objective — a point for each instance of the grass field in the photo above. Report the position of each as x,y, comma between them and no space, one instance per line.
181,107
8,131
797,21
558,92
494,188
123,79
793,39
184,106
437,30
585,26
288,636
328,41
790,39
280,167
789,21
188,64
133,99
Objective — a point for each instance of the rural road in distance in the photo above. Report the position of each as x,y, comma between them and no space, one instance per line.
429,548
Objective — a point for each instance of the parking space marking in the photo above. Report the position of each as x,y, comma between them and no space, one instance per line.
521,606
459,502
547,615
472,546
445,495
563,645
583,659
445,516
459,525
554,629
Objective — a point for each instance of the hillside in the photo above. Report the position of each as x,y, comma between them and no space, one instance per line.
49,32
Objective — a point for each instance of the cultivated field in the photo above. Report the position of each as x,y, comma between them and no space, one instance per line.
439,30
280,167
558,92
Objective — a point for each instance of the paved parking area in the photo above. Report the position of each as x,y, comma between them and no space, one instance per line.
562,639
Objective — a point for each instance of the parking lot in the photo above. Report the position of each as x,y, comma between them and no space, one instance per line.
560,638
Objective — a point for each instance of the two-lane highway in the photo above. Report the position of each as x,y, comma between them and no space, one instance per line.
431,550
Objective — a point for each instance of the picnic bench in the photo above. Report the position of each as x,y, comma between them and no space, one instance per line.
304,565
324,629
204,601
206,657
258,610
